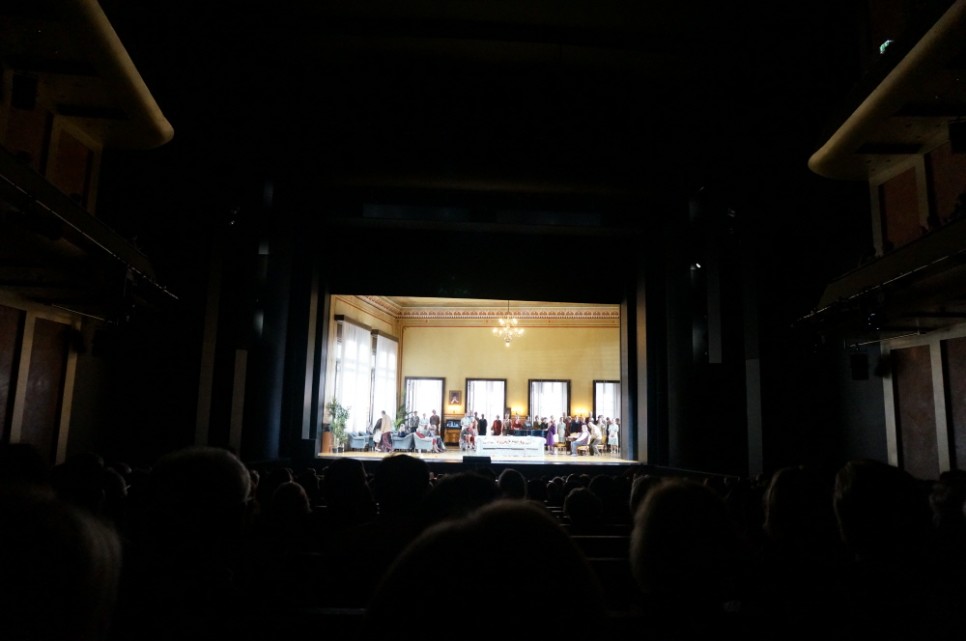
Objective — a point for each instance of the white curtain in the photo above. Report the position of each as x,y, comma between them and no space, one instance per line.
487,397
384,376
423,395
607,399
353,381
549,398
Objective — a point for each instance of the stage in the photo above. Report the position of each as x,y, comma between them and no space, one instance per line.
454,459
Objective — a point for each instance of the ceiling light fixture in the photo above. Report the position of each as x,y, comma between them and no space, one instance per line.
508,329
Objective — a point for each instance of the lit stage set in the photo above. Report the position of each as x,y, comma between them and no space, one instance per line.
498,453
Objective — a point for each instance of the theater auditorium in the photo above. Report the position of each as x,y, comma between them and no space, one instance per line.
623,319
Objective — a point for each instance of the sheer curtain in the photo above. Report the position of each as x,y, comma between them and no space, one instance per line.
384,376
486,396
607,399
353,380
424,395
549,398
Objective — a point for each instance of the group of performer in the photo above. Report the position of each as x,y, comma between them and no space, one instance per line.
575,431
425,427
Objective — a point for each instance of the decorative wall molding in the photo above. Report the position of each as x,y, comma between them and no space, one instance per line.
382,304
537,313
443,314
523,314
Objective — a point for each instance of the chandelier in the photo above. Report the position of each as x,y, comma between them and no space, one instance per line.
508,329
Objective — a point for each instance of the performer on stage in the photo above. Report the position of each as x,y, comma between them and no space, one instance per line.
382,434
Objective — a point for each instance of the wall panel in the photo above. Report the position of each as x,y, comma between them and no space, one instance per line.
11,333
45,386
954,361
915,411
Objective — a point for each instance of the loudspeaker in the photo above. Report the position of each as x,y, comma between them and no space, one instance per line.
481,460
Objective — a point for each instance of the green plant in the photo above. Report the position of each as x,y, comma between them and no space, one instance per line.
340,416
400,415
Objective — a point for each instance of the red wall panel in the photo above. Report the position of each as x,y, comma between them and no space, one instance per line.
915,411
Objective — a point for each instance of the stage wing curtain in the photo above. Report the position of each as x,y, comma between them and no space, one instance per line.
353,384
549,398
487,397
384,375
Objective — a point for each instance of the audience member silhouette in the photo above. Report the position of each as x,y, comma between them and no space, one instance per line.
537,489
432,564
640,486
870,553
310,481
289,520
459,494
362,553
22,463
285,557
584,511
555,492
800,588
79,480
185,578
59,567
267,484
885,521
689,561
613,495
346,495
513,484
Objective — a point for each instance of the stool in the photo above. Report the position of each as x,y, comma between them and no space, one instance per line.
560,448
583,450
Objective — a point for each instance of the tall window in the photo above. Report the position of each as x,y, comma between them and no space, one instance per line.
386,350
549,398
423,395
486,396
353,372
607,399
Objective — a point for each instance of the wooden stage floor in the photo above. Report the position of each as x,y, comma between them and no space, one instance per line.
453,459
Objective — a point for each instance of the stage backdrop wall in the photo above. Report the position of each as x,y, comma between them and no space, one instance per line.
581,354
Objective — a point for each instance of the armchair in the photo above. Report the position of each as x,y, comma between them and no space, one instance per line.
402,443
422,443
359,441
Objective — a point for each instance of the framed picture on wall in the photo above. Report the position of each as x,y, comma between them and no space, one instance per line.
455,397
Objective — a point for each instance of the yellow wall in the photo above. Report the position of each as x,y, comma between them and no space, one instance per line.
581,354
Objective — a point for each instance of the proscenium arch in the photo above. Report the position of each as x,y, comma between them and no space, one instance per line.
448,263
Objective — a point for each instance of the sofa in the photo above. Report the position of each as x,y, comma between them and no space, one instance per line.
359,441
422,443
402,443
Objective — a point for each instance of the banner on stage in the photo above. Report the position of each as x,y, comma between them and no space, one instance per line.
510,446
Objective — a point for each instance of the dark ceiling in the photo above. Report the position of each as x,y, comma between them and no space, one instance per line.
462,124
598,102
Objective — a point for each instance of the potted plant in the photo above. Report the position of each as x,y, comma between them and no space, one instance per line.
400,416
340,416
